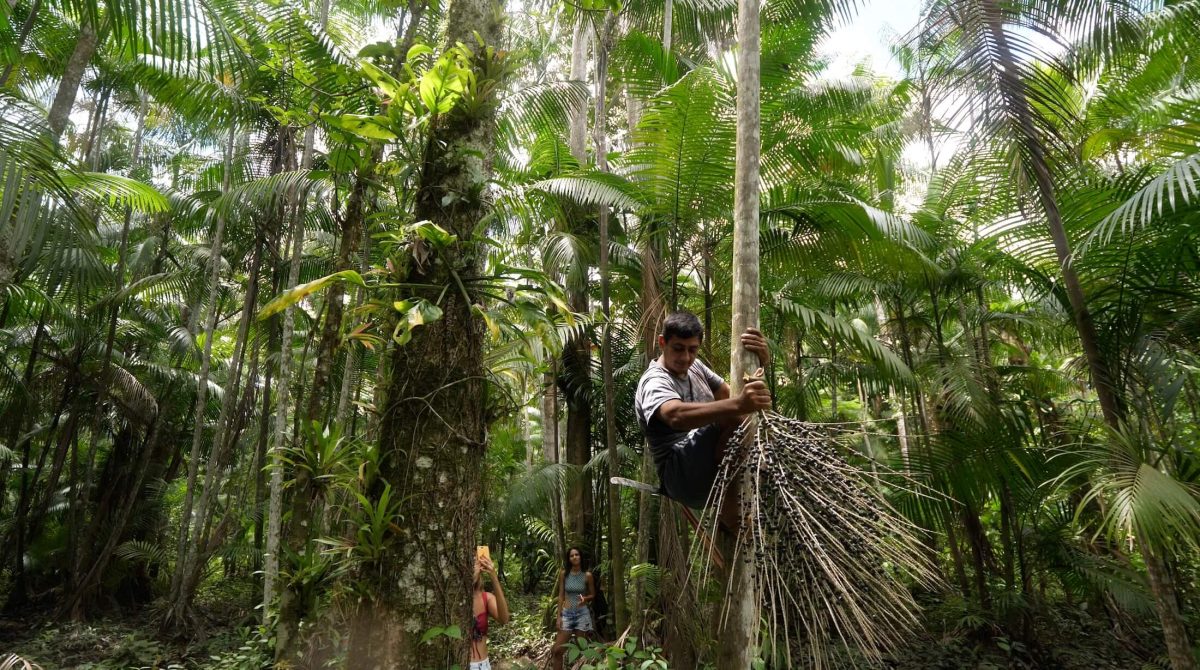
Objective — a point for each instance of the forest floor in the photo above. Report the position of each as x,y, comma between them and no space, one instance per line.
1067,638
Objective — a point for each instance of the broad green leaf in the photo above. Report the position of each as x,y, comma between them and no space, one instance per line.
377,49
362,125
432,633
386,82
441,86
417,51
417,312
291,297
424,312
562,307
434,234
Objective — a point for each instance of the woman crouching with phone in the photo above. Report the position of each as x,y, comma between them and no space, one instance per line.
575,590
485,605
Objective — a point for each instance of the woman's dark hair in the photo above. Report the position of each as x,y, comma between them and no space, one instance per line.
567,559
683,325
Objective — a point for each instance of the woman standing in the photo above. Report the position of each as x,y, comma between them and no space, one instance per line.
575,590
484,605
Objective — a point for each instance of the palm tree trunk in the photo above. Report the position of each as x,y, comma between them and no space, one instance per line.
550,452
738,640
577,356
1162,585
68,86
26,28
91,582
1015,97
334,305
275,497
648,514
668,26
80,552
350,371
577,115
305,498
616,532
177,615
223,436
1111,406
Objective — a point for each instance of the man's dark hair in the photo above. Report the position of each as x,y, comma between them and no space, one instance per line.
682,325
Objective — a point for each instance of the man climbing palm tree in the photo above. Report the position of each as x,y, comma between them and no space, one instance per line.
686,411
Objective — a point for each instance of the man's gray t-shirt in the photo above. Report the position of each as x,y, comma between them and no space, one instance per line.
656,387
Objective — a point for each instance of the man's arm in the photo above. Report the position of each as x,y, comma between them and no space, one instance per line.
680,415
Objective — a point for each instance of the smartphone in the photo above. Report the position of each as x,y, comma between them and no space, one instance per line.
482,552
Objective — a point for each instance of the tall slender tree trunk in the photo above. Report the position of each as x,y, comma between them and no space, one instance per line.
350,371
737,646
1174,629
82,552
668,26
306,498
1018,104
651,310
577,115
648,504
616,532
26,28
275,498
224,435
331,333
68,86
577,354
177,614
433,416
550,451
1162,585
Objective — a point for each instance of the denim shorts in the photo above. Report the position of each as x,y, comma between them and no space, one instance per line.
577,618
481,665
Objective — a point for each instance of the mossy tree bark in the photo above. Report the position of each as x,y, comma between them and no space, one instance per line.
433,413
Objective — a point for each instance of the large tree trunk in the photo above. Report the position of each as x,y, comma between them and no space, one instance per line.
433,419
737,645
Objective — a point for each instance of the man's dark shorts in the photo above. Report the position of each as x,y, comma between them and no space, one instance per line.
687,470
